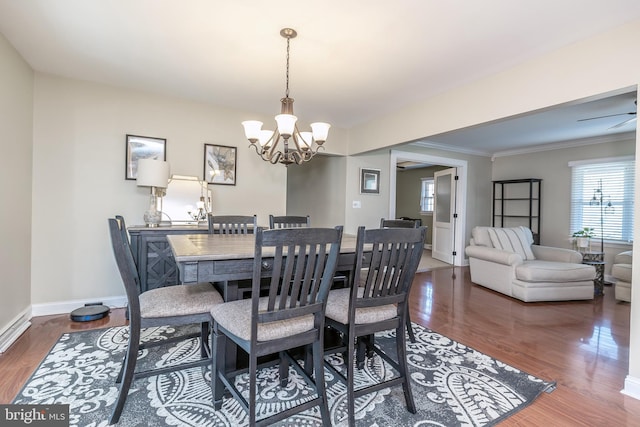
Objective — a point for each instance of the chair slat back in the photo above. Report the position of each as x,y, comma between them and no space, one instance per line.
395,255
304,263
126,266
399,223
232,224
289,221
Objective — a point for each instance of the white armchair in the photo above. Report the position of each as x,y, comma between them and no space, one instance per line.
507,261
621,271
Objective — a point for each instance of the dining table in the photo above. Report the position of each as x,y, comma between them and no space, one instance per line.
227,259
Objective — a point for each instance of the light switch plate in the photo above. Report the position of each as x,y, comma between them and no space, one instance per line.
356,204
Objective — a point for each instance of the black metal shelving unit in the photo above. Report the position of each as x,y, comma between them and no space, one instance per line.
517,202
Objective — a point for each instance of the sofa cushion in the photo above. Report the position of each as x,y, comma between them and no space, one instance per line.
516,239
480,236
557,272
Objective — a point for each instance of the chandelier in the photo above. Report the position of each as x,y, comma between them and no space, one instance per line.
297,147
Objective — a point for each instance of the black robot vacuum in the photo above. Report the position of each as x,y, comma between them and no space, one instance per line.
89,312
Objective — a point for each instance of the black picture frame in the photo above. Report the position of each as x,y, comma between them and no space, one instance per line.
220,164
142,147
369,181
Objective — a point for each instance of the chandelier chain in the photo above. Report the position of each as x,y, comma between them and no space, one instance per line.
286,93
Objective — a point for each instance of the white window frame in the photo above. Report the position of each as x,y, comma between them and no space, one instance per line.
616,177
426,200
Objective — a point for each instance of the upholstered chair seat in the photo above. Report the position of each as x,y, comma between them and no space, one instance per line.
338,308
235,316
178,300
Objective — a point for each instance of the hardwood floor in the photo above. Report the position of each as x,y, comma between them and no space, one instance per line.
583,346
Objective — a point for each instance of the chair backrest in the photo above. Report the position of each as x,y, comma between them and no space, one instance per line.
399,223
126,266
289,221
232,224
304,263
395,255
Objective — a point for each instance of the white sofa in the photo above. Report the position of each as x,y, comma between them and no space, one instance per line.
507,261
621,271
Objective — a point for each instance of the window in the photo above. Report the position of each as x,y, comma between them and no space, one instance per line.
602,197
426,195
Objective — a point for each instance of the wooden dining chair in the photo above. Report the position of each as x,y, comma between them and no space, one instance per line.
232,224
289,221
376,301
402,223
165,306
290,315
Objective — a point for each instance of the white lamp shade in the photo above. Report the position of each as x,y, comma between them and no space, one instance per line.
320,131
265,138
286,124
153,173
252,129
305,140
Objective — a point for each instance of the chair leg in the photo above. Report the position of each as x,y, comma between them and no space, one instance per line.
401,349
412,337
218,344
205,348
129,368
350,381
283,369
253,372
318,367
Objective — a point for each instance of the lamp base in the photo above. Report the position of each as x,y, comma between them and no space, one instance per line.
152,218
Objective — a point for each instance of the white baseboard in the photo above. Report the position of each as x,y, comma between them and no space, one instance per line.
14,329
631,387
427,246
63,307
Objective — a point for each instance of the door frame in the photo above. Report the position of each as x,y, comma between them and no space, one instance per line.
461,192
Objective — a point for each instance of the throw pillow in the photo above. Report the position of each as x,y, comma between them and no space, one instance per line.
512,240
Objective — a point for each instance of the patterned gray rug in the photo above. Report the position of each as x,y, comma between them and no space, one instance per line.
453,385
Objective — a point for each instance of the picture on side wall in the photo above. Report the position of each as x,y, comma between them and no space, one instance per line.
219,164
369,181
142,147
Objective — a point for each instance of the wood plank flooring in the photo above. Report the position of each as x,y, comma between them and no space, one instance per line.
583,346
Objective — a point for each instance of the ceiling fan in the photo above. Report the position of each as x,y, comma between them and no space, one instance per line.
630,120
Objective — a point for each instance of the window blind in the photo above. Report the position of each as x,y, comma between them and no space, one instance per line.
602,198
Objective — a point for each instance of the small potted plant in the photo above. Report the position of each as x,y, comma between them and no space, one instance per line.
582,237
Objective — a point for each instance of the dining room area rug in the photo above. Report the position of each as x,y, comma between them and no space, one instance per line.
452,384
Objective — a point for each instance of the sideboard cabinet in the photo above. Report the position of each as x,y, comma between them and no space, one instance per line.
153,256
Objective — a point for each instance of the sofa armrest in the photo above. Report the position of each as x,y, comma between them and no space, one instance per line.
493,255
625,257
548,253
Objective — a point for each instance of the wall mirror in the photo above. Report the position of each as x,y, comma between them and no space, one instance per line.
188,200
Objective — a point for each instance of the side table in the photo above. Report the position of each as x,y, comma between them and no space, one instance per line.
597,260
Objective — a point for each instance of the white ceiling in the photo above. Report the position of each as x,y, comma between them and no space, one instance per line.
352,61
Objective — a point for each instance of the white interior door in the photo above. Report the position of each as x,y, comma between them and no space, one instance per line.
443,231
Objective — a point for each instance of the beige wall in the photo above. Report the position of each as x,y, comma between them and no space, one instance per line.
16,120
317,189
78,178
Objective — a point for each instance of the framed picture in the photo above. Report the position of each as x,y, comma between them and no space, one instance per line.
142,147
219,164
369,181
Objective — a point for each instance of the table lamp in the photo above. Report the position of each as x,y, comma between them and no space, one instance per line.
155,174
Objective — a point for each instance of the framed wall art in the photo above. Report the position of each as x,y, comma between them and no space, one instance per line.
369,181
142,147
219,164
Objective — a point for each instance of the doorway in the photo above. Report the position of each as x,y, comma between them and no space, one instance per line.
458,201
